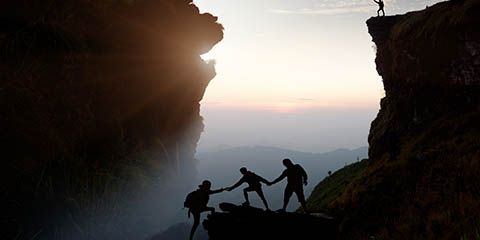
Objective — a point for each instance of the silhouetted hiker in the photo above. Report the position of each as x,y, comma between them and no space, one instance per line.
254,184
196,202
296,178
381,6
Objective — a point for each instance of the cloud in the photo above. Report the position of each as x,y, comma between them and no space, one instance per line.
305,99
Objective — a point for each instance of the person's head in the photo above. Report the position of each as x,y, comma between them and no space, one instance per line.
243,170
287,163
206,185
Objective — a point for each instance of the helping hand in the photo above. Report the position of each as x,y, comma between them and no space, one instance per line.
305,182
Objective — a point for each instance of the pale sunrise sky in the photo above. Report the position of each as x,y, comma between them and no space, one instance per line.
293,74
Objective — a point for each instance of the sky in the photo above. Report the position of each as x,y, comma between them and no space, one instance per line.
293,74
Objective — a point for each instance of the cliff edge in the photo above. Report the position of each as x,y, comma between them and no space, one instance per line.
242,222
421,180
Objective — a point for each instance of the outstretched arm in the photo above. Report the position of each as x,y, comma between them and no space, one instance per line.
304,175
376,1
237,184
217,191
263,180
280,178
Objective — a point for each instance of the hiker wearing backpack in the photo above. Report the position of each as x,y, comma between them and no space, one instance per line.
197,201
254,184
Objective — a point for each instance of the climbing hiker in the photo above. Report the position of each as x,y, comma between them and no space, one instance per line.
296,178
254,184
381,6
197,201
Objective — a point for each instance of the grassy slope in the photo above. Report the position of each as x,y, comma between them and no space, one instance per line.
333,186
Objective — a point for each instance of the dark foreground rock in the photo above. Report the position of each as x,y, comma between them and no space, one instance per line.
240,222
180,231
100,114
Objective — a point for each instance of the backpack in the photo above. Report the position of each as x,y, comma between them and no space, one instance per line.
192,199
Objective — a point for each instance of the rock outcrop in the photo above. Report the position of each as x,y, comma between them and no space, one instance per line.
241,222
422,178
98,99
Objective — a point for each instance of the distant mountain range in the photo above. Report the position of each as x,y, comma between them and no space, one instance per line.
222,168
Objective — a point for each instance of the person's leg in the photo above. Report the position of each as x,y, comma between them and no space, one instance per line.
301,199
260,193
383,12
378,12
245,194
209,209
286,197
196,219
196,222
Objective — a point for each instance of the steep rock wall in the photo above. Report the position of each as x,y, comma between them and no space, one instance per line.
96,94
422,178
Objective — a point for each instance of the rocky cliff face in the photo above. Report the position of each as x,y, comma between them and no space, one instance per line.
96,94
422,178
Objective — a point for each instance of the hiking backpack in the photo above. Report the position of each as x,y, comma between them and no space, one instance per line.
192,199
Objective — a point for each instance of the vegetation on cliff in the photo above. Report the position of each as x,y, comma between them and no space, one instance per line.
331,187
100,102
422,178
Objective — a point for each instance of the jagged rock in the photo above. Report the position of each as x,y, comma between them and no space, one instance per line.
244,222
422,178
99,105
380,27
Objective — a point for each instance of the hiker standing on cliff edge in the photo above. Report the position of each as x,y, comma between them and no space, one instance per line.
296,178
381,5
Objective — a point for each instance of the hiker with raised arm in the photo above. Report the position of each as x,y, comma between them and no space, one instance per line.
254,185
381,6
197,201
296,178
